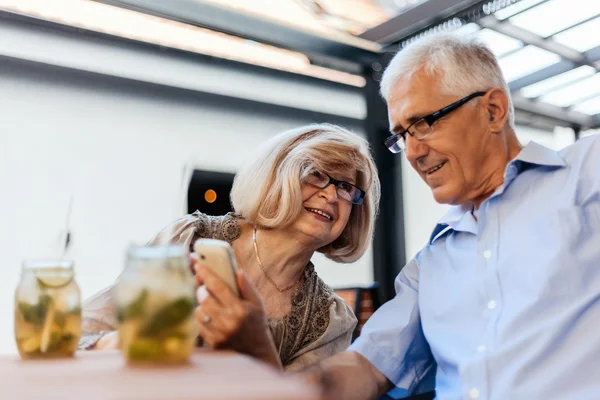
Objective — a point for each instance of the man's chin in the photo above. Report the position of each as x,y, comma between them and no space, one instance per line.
442,195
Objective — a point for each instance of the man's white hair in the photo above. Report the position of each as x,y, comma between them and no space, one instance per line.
463,63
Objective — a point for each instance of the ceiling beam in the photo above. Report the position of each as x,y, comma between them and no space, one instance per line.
527,37
415,19
537,121
542,74
249,27
591,56
568,117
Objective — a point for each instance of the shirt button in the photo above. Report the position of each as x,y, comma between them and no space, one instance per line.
474,393
487,254
481,349
492,304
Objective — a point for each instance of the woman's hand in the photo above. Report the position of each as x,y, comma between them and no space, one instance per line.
108,341
229,322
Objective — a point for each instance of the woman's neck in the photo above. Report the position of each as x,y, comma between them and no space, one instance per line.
283,256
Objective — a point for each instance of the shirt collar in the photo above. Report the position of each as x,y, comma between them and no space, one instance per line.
539,155
460,218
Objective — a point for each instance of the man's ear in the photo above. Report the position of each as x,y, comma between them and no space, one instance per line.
496,103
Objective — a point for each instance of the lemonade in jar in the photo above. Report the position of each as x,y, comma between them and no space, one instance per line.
155,301
47,310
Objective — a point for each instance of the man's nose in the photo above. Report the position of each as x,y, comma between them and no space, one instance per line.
415,149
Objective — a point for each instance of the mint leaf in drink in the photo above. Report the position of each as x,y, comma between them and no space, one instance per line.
60,319
35,314
75,311
134,309
144,350
169,316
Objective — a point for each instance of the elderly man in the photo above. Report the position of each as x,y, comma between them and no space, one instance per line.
503,302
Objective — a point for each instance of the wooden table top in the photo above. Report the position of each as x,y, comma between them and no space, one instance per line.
104,375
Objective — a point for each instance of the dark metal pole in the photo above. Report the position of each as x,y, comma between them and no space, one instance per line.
576,131
389,255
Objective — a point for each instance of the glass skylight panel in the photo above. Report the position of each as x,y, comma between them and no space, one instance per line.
591,106
403,5
326,17
543,87
582,37
590,132
96,16
515,8
499,43
574,93
556,15
469,29
526,61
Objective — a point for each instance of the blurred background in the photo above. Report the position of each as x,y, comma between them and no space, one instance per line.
119,116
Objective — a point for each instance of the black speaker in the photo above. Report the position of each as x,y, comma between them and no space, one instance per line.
209,192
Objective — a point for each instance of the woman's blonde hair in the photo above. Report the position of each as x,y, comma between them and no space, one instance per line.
267,189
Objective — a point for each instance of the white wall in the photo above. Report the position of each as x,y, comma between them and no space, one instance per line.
119,148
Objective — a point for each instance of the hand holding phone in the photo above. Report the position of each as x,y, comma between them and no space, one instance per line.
218,256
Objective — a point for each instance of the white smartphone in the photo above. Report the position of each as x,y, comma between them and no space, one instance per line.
218,256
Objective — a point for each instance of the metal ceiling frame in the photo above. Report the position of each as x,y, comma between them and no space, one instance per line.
417,18
591,56
527,37
421,18
573,118
233,23
349,58
570,59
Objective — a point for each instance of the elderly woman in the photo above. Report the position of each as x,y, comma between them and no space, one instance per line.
310,189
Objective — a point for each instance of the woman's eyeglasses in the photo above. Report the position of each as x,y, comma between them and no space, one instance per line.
344,190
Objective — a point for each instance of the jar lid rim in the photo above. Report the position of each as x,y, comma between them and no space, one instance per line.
48,263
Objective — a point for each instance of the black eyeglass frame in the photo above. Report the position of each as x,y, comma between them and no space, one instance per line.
332,181
429,119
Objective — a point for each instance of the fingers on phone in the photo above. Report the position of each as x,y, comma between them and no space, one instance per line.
215,285
201,294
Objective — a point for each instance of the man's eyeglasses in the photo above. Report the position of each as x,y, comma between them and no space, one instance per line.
344,190
423,126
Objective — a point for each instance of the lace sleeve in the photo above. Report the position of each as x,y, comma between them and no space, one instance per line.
187,229
336,338
184,231
98,318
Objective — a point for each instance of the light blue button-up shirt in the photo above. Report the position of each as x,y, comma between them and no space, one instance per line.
505,306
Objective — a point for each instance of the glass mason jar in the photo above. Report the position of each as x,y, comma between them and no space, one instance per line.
47,310
155,301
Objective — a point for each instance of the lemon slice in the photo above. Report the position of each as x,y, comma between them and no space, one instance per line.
54,277
47,329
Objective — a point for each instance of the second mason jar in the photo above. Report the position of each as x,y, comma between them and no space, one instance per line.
155,300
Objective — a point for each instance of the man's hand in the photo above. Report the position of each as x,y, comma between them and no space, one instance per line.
347,375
